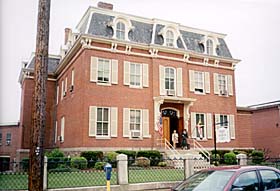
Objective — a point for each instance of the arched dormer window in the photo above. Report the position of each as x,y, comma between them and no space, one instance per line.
120,31
169,41
209,47
121,27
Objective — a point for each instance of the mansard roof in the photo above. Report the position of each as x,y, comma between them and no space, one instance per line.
53,62
98,22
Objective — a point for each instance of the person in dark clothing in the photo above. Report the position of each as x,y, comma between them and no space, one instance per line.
184,140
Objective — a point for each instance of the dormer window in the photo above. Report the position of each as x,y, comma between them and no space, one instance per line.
120,31
209,47
169,38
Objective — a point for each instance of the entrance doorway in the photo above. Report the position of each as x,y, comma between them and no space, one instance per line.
170,123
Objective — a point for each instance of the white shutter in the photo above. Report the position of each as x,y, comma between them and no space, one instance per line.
126,116
217,121
161,81
55,132
191,78
193,124
93,69
179,82
65,87
62,125
216,84
145,75
145,117
92,121
207,82
231,126
72,77
230,85
62,89
209,125
57,94
126,73
114,121
114,71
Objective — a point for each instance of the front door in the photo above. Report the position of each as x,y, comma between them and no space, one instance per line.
166,128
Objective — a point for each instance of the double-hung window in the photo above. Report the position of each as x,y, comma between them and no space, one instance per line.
199,81
224,121
8,138
135,123
222,84
0,138
170,81
102,123
135,74
200,125
169,38
103,71
120,31
209,47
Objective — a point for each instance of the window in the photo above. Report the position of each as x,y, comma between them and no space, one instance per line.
120,31
135,74
102,122
271,179
247,181
0,138
209,47
135,123
170,80
169,38
62,89
199,81
103,71
62,126
200,125
222,83
72,80
8,138
224,121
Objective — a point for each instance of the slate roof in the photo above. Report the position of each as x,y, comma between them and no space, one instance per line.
142,32
52,64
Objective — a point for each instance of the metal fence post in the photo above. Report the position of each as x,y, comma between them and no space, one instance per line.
122,169
45,179
189,167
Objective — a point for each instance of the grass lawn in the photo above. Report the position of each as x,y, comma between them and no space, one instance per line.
19,181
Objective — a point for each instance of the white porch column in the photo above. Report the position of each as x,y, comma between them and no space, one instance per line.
157,102
187,114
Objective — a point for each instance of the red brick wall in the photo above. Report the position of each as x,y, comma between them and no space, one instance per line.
265,130
10,150
244,130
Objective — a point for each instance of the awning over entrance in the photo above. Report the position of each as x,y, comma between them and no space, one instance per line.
169,99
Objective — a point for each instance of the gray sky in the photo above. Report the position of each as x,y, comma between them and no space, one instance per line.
252,28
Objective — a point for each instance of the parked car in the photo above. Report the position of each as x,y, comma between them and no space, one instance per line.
232,178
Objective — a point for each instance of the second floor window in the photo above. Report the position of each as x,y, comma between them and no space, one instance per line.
224,121
135,74
199,82
222,83
103,71
135,122
0,138
8,138
169,38
102,128
120,31
170,79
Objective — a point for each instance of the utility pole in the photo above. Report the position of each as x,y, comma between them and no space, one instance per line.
36,155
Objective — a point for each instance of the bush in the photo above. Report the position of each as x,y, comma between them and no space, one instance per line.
55,162
230,158
99,165
24,164
112,158
55,153
64,169
162,164
257,156
92,157
143,162
154,156
130,154
215,161
79,162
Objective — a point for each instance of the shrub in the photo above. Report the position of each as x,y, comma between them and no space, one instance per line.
155,156
112,158
230,158
79,162
55,162
143,161
257,157
162,164
92,157
130,154
215,161
64,169
99,165
55,153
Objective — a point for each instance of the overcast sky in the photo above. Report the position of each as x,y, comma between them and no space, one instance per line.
252,28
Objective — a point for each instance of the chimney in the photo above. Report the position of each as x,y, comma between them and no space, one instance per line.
67,33
104,5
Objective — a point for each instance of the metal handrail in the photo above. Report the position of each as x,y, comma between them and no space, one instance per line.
201,149
171,148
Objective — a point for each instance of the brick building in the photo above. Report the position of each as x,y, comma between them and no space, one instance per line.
124,81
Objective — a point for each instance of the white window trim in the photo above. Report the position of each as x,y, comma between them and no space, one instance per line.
109,124
203,83
141,123
226,85
141,76
205,127
215,44
126,22
175,80
109,83
176,34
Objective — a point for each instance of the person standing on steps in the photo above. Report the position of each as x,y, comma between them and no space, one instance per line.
184,140
175,138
